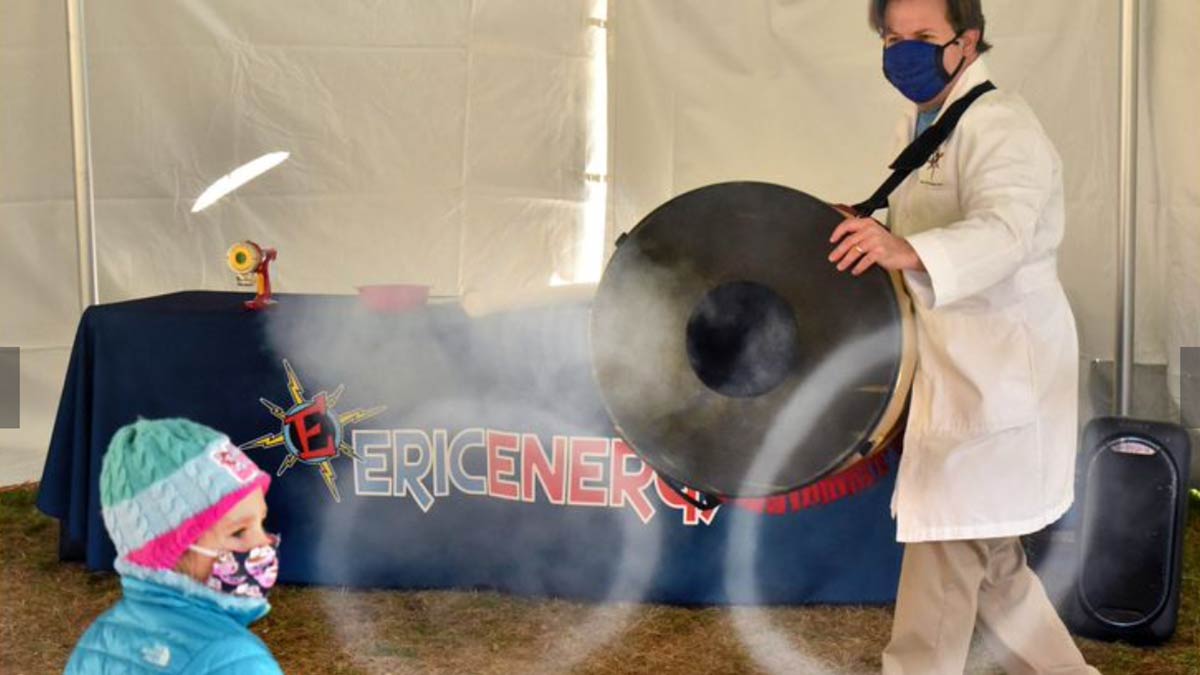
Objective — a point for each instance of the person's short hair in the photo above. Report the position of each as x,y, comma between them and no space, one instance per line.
964,15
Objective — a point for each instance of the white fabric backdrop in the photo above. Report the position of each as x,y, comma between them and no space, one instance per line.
445,142
1169,200
39,303
792,92
436,142
432,142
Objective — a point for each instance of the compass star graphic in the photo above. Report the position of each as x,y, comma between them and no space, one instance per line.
312,430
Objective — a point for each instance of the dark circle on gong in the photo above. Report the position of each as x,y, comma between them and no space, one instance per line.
742,339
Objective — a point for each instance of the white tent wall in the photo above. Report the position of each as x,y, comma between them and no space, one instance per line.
432,142
1169,201
39,296
791,92
445,142
440,142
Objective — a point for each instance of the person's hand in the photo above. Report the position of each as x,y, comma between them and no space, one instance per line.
864,242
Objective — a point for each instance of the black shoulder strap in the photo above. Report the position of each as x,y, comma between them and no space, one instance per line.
920,150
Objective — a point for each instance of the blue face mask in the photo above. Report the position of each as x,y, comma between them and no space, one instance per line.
915,68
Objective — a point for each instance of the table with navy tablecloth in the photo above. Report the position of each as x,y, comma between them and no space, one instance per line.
431,449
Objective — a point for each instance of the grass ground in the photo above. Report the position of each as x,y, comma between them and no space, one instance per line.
45,605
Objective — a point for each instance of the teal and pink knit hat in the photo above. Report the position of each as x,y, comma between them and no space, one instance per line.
166,482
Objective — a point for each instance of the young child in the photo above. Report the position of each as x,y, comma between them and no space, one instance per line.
185,509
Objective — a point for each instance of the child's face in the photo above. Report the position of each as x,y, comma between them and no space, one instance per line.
241,529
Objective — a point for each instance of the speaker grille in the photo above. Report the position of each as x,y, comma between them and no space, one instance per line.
1129,531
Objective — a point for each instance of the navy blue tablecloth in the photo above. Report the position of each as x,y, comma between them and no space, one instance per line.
484,457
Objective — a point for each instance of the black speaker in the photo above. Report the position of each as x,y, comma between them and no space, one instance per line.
1133,493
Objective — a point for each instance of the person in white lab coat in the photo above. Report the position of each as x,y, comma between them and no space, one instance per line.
990,445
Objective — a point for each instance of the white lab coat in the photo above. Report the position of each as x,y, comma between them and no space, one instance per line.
990,446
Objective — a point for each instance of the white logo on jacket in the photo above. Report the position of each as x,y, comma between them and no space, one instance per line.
157,655
930,174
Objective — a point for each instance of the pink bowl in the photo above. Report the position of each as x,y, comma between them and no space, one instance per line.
393,297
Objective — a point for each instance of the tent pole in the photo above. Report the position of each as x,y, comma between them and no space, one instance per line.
81,143
1126,207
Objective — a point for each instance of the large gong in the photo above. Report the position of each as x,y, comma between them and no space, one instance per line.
732,355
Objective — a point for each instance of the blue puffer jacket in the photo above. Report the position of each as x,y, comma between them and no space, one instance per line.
168,623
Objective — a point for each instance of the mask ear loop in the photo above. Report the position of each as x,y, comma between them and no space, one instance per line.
206,552
941,57
272,541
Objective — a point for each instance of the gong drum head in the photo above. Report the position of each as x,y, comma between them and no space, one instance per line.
733,356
